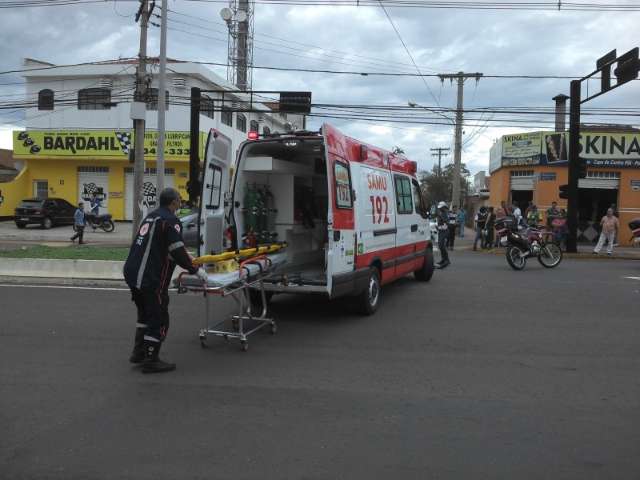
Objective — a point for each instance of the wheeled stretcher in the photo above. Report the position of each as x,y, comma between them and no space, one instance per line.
239,285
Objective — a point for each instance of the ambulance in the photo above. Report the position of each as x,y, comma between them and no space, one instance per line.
351,214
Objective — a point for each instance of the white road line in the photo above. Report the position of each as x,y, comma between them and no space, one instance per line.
632,278
66,287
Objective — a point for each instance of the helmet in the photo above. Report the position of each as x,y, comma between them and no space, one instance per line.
442,205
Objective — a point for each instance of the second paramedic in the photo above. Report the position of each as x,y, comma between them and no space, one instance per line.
443,234
153,256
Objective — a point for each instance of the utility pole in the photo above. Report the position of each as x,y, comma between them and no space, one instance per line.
441,152
161,99
138,114
457,153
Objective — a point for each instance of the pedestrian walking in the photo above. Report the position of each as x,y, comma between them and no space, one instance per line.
443,233
610,225
480,221
461,218
153,256
453,223
534,217
489,227
79,224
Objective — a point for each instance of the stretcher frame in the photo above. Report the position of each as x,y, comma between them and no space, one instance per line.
240,292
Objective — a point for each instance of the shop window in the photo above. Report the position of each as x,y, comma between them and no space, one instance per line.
241,122
152,99
403,194
207,107
45,99
94,99
226,117
343,186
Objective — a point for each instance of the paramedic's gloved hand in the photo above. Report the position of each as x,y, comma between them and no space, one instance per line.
202,275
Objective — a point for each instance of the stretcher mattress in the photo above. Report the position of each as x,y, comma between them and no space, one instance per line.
228,279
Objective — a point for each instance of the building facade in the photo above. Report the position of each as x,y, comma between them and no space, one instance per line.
79,137
531,167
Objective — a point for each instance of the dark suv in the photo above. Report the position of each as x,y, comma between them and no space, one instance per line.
45,212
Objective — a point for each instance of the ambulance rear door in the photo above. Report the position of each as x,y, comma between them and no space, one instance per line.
376,219
211,224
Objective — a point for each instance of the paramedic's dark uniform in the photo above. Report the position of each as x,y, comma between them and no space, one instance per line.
156,250
443,234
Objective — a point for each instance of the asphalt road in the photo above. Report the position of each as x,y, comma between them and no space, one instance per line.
483,373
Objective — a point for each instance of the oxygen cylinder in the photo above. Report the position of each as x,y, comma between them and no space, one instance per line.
250,209
271,214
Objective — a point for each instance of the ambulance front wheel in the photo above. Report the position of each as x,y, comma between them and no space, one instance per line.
425,272
369,299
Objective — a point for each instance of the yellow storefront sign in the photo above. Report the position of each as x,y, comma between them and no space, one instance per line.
98,143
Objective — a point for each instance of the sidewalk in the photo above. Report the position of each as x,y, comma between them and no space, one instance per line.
584,250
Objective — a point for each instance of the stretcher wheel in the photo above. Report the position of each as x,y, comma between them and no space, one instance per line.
274,329
244,345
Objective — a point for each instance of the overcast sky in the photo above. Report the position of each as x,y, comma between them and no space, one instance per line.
352,38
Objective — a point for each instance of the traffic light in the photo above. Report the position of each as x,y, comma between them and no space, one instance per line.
564,191
628,66
582,168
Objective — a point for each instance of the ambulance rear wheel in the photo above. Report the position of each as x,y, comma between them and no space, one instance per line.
368,301
425,272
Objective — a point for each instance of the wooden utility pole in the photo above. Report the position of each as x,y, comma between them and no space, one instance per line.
138,114
441,152
460,77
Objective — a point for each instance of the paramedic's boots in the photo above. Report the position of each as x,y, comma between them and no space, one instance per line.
137,355
153,364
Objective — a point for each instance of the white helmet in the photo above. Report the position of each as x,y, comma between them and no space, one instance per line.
442,205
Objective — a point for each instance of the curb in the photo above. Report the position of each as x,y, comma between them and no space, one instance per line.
57,268
582,256
100,270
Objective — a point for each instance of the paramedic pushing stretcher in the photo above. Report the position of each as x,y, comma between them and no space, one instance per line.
156,250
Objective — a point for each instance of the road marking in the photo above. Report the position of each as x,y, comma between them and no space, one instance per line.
632,278
66,287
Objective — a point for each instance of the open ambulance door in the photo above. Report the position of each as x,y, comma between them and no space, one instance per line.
340,221
215,186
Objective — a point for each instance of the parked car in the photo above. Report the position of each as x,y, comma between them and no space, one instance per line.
189,223
44,212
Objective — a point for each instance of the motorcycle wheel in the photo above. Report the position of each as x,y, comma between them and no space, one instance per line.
515,257
550,255
108,226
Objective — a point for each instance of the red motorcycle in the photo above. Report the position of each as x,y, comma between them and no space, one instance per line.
527,242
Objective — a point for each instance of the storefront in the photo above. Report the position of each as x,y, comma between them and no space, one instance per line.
531,167
75,165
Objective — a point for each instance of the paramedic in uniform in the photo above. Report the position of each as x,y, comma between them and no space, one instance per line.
155,251
443,233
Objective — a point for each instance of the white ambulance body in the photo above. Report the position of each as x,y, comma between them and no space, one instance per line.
351,214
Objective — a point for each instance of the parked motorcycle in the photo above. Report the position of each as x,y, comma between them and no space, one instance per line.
100,221
634,226
522,243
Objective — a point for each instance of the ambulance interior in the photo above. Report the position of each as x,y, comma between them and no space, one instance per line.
281,195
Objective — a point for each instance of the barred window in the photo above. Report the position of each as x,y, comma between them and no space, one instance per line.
45,99
253,126
94,99
152,99
522,173
226,117
241,122
207,107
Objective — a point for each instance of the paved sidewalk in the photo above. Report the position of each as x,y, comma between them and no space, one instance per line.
584,250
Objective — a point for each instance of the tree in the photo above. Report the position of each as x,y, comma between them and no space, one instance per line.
437,188
398,150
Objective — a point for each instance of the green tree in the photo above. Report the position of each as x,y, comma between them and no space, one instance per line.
439,187
398,150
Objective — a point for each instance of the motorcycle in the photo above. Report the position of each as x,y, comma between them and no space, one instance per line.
526,242
100,221
634,226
